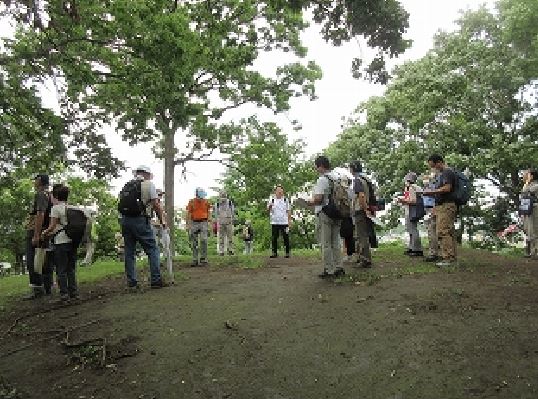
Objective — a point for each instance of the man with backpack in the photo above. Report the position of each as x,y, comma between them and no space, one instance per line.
137,198
36,222
363,201
329,217
225,214
445,208
65,248
280,216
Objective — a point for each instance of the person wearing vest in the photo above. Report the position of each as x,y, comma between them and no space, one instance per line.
36,222
530,222
138,229
225,218
430,220
329,229
361,214
280,216
411,191
198,220
445,209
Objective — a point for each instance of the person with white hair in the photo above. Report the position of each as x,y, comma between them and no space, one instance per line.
136,201
410,198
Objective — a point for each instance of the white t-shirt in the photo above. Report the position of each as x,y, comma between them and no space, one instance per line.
323,187
58,212
279,211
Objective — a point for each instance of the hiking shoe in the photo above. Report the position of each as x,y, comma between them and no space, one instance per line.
339,273
324,274
407,251
158,284
445,263
203,262
416,253
287,255
274,256
432,259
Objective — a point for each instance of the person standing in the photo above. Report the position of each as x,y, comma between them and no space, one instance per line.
410,198
137,199
530,219
280,217
36,222
91,240
248,237
431,183
329,229
65,252
361,216
198,220
445,209
225,213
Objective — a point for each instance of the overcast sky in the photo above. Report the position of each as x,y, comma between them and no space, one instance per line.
339,94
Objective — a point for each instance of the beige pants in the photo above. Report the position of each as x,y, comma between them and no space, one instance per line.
226,235
330,242
431,225
362,239
446,232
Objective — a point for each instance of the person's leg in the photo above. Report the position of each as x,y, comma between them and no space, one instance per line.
286,234
194,241
363,239
48,272
431,224
446,214
230,238
146,238
129,253
222,237
61,259
533,234
336,246
274,239
326,234
72,286
416,243
36,280
203,241
90,249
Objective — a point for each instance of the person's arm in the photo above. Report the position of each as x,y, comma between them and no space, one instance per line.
288,211
39,219
51,228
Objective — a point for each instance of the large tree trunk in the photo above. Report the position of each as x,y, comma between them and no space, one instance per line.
169,168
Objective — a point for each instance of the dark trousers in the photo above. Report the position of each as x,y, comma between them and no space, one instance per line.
48,272
65,258
275,231
350,245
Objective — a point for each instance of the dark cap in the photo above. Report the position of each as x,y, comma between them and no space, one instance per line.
44,179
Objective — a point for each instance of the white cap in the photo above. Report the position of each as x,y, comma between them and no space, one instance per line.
143,168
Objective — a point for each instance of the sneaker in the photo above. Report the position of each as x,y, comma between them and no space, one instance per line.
274,256
432,258
339,273
287,255
445,263
416,253
194,264
407,251
324,274
203,262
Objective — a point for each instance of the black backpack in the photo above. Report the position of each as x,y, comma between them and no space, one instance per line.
462,191
77,225
130,199
526,204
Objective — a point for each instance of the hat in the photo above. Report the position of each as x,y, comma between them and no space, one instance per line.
410,177
143,168
44,179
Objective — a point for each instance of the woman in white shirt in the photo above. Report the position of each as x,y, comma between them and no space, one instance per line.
280,215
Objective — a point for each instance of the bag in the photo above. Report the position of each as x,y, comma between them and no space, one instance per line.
372,197
462,191
417,210
130,199
339,206
526,204
39,260
77,225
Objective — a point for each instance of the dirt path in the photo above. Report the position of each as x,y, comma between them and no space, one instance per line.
280,333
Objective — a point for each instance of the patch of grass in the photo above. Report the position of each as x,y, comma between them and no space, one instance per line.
253,261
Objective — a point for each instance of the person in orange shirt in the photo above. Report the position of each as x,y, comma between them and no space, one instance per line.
198,220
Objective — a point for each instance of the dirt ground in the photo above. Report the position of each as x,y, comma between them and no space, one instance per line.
279,332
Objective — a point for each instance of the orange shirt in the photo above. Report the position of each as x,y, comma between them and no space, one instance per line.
198,209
